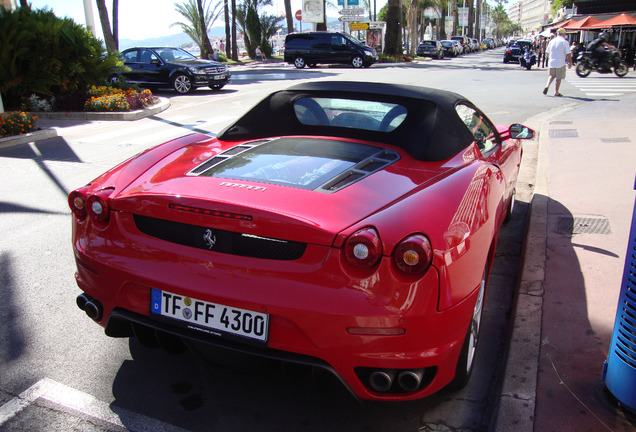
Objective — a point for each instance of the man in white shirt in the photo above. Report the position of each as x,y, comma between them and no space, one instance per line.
559,53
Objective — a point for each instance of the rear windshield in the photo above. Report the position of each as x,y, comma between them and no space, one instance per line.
306,163
427,44
350,113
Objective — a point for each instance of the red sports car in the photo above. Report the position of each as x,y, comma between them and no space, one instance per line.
344,225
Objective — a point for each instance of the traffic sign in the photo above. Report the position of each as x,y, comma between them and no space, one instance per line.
349,18
299,15
351,11
358,26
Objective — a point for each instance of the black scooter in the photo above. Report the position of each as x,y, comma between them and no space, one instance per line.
528,59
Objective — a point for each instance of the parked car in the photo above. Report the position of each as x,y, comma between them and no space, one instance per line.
451,49
430,48
489,42
348,226
458,47
312,48
515,49
174,68
464,42
475,45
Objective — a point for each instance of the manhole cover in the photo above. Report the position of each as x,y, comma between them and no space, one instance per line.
583,225
564,133
616,140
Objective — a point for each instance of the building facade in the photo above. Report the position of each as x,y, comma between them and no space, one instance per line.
530,14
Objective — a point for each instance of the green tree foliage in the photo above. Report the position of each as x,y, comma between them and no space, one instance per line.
257,28
48,56
192,24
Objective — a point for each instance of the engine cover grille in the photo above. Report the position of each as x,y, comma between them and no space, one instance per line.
220,241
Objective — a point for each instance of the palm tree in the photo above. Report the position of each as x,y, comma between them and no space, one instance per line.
289,17
234,46
111,37
256,28
228,36
393,36
193,27
206,47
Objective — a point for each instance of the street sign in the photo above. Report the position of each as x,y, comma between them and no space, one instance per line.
358,26
349,18
299,15
351,11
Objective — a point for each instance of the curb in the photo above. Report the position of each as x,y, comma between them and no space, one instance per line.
43,134
163,105
515,410
38,135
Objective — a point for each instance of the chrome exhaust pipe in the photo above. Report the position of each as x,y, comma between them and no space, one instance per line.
81,301
410,380
381,380
93,309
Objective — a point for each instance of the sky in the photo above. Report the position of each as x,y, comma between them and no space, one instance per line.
143,19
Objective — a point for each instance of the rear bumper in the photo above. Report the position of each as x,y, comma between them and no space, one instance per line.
312,304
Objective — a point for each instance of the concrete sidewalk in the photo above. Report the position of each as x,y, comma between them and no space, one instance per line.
574,256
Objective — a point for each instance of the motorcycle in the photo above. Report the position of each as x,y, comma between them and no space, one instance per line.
528,59
586,63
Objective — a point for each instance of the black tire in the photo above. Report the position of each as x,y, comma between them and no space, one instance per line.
621,69
467,356
583,69
181,83
299,62
505,60
511,206
357,62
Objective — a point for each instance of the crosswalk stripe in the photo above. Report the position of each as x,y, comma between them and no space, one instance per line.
83,403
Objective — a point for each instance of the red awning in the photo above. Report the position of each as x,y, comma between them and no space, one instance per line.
585,23
563,24
621,20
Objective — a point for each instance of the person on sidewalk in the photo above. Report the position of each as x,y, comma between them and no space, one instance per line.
559,54
543,44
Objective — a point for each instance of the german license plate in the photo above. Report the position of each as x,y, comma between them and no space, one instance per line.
240,322
219,77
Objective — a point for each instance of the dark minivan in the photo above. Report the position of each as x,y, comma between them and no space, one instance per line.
310,48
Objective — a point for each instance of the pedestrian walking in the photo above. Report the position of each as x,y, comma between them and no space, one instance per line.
543,44
560,55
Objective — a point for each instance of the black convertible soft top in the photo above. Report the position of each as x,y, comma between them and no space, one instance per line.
431,131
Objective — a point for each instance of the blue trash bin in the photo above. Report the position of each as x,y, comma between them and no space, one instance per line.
619,370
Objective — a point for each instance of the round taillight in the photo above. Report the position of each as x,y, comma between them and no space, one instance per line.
97,207
414,254
77,202
363,248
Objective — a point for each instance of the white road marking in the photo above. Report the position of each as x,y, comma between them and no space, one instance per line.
83,403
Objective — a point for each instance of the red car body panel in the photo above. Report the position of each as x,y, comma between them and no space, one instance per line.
313,302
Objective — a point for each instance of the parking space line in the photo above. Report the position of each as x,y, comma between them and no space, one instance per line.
83,403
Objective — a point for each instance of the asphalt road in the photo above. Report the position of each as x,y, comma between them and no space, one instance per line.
58,371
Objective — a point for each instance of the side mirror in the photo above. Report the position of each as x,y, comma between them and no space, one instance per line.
518,131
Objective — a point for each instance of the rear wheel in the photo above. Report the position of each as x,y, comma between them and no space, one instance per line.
299,62
357,62
467,356
583,69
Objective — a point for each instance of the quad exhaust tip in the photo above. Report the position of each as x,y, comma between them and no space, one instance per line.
395,380
92,307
